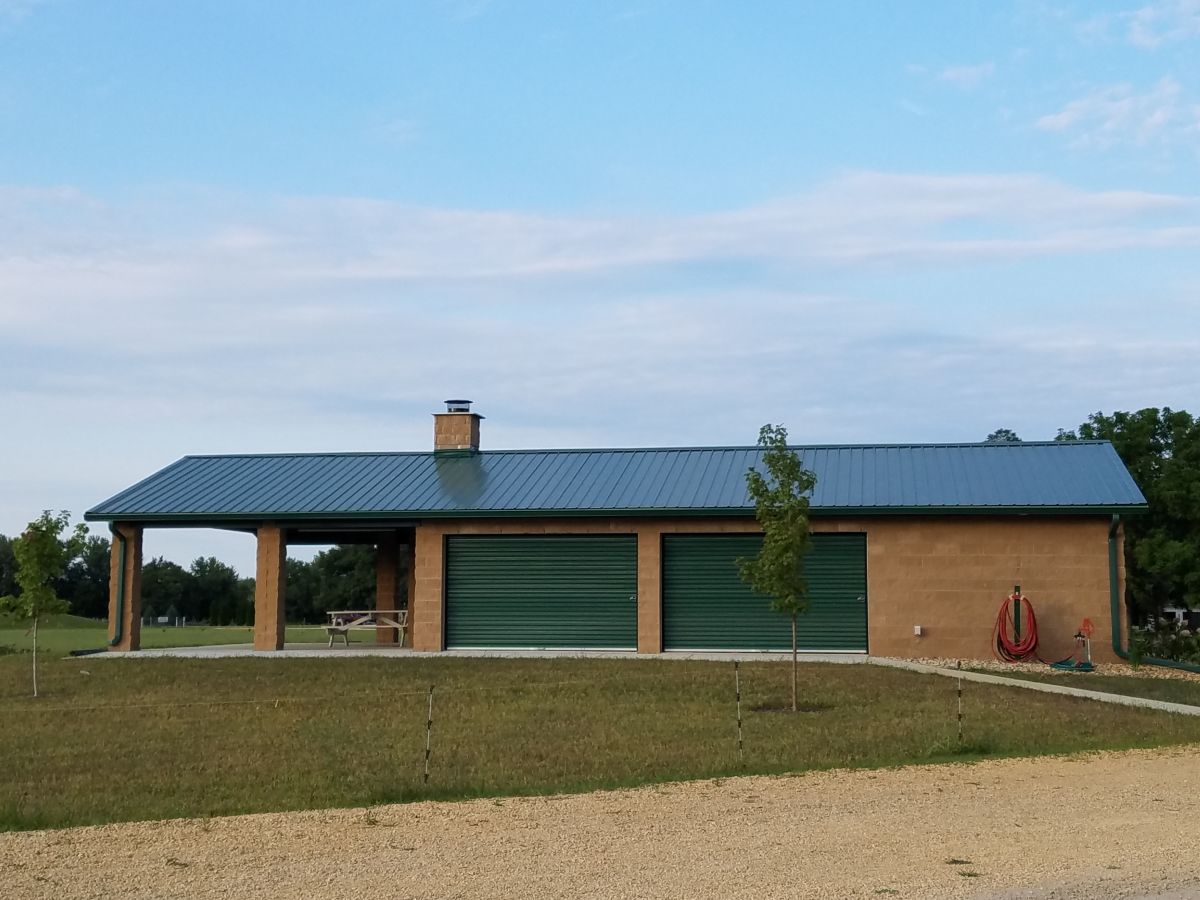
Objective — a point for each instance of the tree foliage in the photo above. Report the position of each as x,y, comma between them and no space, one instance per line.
342,577
8,568
1003,436
84,584
164,584
781,507
213,591
42,555
1161,449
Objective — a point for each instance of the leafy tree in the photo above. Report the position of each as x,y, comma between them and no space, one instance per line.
84,585
210,584
303,602
42,556
1161,448
8,568
245,601
164,584
343,578
781,506
1003,436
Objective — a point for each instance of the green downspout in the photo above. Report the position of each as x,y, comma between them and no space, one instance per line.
119,628
1114,600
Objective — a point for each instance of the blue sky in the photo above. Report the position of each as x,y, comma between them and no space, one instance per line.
277,226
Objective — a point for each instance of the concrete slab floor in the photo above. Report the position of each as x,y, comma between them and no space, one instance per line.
320,651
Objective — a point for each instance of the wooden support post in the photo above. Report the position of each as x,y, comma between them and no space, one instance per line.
270,588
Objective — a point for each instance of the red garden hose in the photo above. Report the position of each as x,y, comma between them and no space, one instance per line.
1010,647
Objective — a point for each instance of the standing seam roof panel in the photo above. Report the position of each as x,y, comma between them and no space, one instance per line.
1058,475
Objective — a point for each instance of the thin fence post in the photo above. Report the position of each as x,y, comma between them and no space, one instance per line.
960,722
428,733
737,689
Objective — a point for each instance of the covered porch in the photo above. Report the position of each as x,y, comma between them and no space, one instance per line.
394,576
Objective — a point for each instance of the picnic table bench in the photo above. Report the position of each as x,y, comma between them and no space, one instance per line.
342,621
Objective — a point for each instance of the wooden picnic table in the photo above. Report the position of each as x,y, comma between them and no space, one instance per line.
342,621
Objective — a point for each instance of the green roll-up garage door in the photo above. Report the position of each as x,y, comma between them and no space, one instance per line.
706,605
542,591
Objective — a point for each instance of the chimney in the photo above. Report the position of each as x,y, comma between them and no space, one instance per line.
457,429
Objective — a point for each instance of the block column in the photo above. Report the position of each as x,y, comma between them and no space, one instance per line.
270,588
387,584
649,581
125,589
427,598
410,588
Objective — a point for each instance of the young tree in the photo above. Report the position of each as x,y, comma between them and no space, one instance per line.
781,506
42,556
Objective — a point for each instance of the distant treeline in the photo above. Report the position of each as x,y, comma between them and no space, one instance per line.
210,591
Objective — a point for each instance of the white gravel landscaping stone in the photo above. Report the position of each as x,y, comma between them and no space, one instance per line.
1110,825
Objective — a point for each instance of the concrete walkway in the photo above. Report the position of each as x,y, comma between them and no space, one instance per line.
1119,699
338,651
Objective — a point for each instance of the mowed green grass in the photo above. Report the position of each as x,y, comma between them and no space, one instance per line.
64,634
122,739
1173,690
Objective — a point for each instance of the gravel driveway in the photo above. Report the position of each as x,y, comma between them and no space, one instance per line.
1111,825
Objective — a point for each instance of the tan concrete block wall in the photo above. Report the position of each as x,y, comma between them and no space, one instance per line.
131,617
947,574
950,576
270,588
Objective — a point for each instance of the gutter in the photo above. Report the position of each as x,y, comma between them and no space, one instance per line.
119,627
393,518
1114,600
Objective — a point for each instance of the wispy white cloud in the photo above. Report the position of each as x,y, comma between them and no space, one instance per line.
133,332
1149,27
967,76
59,245
1164,22
15,10
463,10
1120,114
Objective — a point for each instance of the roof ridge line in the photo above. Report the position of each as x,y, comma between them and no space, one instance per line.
691,449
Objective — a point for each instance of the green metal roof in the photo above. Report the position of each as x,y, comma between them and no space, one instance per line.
1053,477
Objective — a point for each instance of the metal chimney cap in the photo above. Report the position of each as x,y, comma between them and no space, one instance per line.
458,405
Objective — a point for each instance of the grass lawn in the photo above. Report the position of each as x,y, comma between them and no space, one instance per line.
1175,690
66,633
122,739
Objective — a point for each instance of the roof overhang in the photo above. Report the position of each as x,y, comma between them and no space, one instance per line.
366,522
